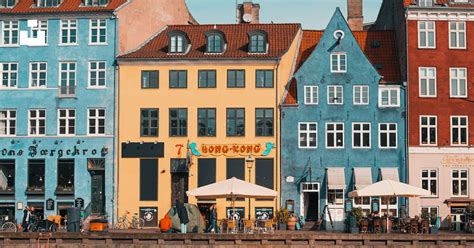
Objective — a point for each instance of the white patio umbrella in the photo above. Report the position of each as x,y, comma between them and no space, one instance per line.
389,188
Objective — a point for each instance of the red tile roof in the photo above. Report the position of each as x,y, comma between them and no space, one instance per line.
280,38
67,6
444,3
378,46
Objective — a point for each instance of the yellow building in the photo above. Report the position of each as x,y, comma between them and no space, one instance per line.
212,91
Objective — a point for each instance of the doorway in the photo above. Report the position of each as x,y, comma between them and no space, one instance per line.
310,201
179,186
97,192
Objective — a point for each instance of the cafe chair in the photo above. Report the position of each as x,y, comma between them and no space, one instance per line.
413,226
231,226
377,225
425,227
268,226
364,226
248,226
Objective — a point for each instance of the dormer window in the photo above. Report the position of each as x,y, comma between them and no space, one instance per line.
215,42
7,3
95,2
258,42
178,42
48,3
425,3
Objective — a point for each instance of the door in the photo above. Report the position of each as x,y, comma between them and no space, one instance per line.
337,216
457,218
97,192
179,186
311,206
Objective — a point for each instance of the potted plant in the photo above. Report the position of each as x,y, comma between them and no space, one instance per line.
282,218
354,219
292,222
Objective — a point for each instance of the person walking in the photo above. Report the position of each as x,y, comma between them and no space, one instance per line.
183,216
26,218
213,219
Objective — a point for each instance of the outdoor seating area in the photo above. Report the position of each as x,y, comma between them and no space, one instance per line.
402,225
247,226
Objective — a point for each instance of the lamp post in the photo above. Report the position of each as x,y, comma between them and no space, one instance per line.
249,161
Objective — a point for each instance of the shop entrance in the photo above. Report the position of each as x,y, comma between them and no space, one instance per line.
309,205
458,218
179,186
97,192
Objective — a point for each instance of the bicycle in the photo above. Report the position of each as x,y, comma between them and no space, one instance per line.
125,222
7,225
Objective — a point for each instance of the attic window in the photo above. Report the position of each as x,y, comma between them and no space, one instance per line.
425,3
215,42
258,42
178,42
95,2
7,3
48,3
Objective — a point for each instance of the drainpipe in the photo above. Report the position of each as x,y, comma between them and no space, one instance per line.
407,117
116,131
278,136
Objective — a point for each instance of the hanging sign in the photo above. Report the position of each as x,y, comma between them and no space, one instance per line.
50,204
79,203
228,150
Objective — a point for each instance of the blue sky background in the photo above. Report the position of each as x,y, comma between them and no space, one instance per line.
313,14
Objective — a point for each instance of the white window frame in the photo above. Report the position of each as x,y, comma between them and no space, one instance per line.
177,43
429,178
428,126
362,132
335,132
429,207
335,93
425,33
387,133
67,118
459,33
361,94
459,179
427,80
343,197
9,73
313,92
308,133
97,118
391,91
37,119
458,80
12,27
38,72
68,25
97,71
98,24
8,119
459,127
42,26
340,67
68,73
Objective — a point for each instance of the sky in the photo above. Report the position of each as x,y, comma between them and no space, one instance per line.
312,14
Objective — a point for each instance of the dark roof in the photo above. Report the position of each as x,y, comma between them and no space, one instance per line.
378,46
67,6
280,38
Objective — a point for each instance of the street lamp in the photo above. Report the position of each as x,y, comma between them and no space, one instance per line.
249,161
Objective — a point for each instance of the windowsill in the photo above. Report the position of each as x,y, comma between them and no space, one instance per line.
98,44
149,88
63,192
41,88
335,104
426,48
96,135
334,148
428,145
9,191
8,88
66,135
458,97
36,135
35,192
361,148
382,107
361,104
457,196
13,46
420,96
430,197
311,104
462,145
387,148
338,72
66,45
97,88
308,148
457,48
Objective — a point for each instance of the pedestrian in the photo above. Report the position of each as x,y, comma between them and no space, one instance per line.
183,216
213,219
26,218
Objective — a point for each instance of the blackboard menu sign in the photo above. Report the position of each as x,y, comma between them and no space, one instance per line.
79,203
150,215
264,213
238,214
50,204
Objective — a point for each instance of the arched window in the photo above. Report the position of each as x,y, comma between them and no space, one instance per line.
215,42
258,42
48,3
7,3
178,42
95,2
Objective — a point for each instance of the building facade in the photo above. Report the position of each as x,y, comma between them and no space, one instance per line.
440,107
343,121
201,100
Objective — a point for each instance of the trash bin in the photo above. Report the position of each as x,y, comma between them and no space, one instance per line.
73,219
98,225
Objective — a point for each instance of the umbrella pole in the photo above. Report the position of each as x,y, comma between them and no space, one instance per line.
388,228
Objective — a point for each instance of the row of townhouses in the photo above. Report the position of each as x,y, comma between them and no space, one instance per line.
124,105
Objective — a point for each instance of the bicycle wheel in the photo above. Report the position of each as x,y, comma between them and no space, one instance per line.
9,227
53,227
120,226
32,228
139,223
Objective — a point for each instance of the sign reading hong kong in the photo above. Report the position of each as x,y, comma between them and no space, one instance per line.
34,151
229,150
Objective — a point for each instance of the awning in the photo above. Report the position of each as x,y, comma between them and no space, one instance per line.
390,174
362,177
336,178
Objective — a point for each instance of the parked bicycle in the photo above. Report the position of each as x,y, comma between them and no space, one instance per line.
39,223
126,222
8,225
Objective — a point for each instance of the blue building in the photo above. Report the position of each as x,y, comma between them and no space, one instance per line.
343,120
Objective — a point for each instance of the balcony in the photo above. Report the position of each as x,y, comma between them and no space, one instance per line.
67,91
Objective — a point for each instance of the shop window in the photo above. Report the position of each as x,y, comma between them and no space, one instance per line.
335,196
178,122
36,169
207,122
7,211
7,176
148,179
65,176
264,122
38,209
430,213
206,171
264,174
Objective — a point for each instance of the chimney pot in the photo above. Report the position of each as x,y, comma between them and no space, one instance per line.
248,12
355,16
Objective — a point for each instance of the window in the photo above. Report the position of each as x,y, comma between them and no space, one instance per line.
65,176
38,74
428,130
236,122
96,121
98,32
264,174
67,121
264,79
457,35
459,182
97,72
178,122
258,43
427,77
308,135
150,79
335,95
429,180
361,135
10,33
95,2
7,171
41,27
338,62
7,122
179,79
387,135
236,79
264,122
149,179
431,213
68,32
426,34
207,79
36,176
311,95
177,43
206,122
235,167
215,44
458,82
7,3
425,3
37,122
389,97
48,3
335,196
459,130
149,122
206,171
9,73
361,95
67,78
334,135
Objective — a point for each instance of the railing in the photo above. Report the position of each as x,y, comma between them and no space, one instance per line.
68,91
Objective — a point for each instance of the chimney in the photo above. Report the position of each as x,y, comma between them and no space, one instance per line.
248,12
354,15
